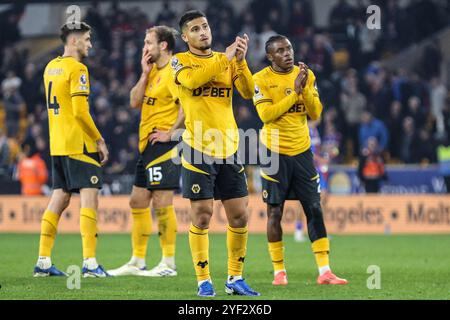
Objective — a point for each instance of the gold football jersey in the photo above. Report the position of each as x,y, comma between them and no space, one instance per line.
206,99
159,106
64,78
283,112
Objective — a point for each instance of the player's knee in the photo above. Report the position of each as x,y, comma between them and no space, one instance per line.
59,202
202,220
135,203
201,216
238,221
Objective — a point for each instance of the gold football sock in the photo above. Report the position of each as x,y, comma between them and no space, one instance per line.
199,243
49,226
88,228
167,226
237,248
276,250
140,231
321,248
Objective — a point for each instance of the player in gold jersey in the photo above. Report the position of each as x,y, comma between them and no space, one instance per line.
156,174
77,150
285,96
210,167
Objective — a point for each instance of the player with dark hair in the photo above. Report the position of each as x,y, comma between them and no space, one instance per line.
77,150
156,174
285,96
210,166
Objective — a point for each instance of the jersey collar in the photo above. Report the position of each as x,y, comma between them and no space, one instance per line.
204,56
278,72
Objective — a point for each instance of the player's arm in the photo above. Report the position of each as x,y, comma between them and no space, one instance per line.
81,113
267,110
242,77
192,79
79,91
311,98
138,91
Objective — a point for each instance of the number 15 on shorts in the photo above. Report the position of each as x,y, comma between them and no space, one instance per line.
154,174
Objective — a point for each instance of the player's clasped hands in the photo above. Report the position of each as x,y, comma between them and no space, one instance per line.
302,78
238,48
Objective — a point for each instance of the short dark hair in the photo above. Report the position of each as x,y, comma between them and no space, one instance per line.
165,33
273,39
70,27
189,16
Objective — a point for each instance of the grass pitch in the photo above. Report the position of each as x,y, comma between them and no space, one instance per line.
412,267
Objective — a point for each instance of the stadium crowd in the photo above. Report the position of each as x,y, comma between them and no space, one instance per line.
407,111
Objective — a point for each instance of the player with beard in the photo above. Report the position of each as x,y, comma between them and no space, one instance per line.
210,166
157,175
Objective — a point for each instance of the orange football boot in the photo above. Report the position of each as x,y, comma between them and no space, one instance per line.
329,278
280,279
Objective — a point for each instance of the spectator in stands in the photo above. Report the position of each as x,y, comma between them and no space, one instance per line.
371,168
32,172
368,41
408,140
13,102
320,57
301,18
438,94
394,125
30,89
372,127
416,111
424,150
353,103
380,93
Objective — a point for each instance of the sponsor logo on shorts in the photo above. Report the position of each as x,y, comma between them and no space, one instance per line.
195,188
94,179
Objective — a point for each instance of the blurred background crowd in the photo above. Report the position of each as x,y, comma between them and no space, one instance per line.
407,110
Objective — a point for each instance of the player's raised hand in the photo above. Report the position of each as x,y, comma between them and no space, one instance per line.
103,151
230,51
145,62
159,136
242,47
301,79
